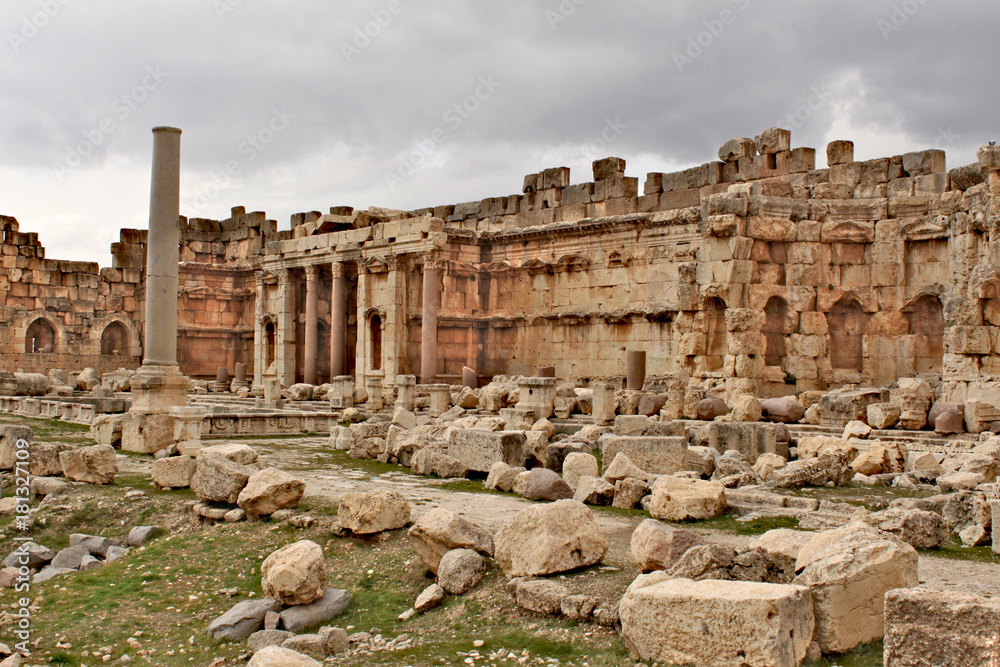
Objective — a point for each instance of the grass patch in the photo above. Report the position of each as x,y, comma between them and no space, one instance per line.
728,523
955,550
865,655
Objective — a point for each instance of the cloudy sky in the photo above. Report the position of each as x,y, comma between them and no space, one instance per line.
306,104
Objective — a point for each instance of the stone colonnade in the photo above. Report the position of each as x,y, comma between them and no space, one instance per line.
275,339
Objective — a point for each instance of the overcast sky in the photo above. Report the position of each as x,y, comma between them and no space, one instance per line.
306,104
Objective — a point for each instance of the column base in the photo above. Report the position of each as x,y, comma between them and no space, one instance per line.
149,426
156,389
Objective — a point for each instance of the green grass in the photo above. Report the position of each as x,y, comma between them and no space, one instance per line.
728,523
954,549
866,655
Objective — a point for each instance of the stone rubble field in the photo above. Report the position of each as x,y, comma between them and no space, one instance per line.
755,533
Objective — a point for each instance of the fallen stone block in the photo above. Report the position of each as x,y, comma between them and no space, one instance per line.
658,455
849,570
545,539
925,627
682,499
718,623
479,450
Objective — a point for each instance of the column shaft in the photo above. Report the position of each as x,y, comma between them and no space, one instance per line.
338,322
162,250
312,333
428,326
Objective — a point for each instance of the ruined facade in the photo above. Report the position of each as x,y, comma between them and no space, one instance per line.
757,272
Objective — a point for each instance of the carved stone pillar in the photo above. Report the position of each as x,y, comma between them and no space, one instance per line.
428,324
312,333
338,321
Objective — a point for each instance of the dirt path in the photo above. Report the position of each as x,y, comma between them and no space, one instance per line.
327,480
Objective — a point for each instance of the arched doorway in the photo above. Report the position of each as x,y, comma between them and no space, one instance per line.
775,316
716,345
40,337
926,322
269,344
847,323
114,340
375,330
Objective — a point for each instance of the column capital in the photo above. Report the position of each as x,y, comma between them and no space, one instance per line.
337,269
284,277
259,277
431,261
312,274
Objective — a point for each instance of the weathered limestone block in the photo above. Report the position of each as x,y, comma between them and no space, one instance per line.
849,570
629,492
746,409
683,499
268,491
749,439
782,410
836,408
591,490
623,468
501,477
479,450
540,596
95,465
173,472
737,148
653,454
577,465
839,152
294,574
739,623
545,484
979,414
658,546
925,627
442,530
545,539
107,429
370,512
783,542
222,471
773,140
883,415
918,528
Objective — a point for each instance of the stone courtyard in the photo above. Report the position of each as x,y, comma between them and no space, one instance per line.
755,344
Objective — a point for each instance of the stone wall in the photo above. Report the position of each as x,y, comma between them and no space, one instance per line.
757,271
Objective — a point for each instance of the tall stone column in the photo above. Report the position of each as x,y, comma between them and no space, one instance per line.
158,387
338,321
285,341
428,325
259,347
162,250
312,333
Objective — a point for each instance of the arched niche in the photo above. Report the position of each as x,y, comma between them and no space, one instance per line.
40,337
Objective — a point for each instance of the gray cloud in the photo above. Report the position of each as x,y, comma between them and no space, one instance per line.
912,69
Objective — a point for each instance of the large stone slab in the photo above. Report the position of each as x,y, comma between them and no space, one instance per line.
684,499
442,530
849,570
242,620
925,627
97,464
294,574
654,454
479,450
716,623
749,439
550,538
367,512
299,617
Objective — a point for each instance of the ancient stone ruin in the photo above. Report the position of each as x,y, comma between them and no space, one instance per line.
737,340
757,272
